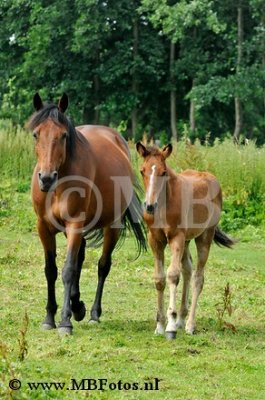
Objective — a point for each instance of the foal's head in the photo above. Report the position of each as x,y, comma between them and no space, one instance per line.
154,172
51,131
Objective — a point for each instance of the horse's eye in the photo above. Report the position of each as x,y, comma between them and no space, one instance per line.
164,173
35,135
142,172
64,135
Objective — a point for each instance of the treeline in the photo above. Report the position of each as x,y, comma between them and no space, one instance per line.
155,66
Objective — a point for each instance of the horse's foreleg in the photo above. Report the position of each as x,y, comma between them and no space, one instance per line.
111,237
77,306
173,274
69,275
203,244
49,245
160,282
186,274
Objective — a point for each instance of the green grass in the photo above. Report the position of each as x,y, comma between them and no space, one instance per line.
213,364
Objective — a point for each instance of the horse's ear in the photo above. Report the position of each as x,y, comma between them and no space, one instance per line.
167,150
63,103
37,102
141,149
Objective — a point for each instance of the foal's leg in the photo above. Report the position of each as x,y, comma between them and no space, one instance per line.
69,274
177,245
186,274
49,245
203,244
77,306
160,281
111,237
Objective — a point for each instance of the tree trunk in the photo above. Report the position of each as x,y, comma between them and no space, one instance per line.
173,107
238,104
96,92
192,111
135,87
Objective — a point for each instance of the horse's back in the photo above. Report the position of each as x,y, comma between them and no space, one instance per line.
103,138
195,202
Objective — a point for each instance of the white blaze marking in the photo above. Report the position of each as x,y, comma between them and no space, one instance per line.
151,185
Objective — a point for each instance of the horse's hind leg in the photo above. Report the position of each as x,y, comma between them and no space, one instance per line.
78,307
49,245
111,237
203,244
186,270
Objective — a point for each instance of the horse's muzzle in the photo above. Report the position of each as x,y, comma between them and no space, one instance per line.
150,208
48,180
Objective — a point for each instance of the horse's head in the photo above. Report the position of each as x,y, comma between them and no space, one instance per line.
154,172
50,131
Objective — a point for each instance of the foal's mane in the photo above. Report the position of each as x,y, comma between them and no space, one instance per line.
51,111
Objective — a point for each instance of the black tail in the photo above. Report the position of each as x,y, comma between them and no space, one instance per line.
133,221
221,239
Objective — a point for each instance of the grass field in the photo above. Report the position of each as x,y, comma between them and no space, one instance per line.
216,363
224,360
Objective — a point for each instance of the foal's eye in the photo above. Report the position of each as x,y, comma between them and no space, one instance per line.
142,172
164,173
35,135
64,135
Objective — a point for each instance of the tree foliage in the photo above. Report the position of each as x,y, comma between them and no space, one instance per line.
112,58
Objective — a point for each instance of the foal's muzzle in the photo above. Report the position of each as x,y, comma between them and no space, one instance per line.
150,208
47,180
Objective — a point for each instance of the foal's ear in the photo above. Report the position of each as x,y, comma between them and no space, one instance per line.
37,102
141,149
63,103
167,150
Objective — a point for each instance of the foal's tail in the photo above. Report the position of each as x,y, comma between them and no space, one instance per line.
221,239
133,221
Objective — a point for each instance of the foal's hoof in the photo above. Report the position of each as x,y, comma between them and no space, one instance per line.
93,321
48,327
171,335
80,315
190,329
65,330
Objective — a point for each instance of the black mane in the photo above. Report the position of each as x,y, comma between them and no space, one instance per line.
51,111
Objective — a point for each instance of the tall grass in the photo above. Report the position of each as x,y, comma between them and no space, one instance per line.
16,154
240,170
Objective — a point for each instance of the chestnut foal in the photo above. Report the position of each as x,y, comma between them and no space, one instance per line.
177,209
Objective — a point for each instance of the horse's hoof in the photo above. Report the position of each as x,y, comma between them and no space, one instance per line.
93,321
65,330
171,335
190,330
160,330
80,315
48,327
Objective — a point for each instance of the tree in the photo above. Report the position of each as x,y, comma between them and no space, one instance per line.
178,19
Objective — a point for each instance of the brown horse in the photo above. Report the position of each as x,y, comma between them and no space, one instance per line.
82,183
179,208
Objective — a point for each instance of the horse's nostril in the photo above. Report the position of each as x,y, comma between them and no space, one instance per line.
150,208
